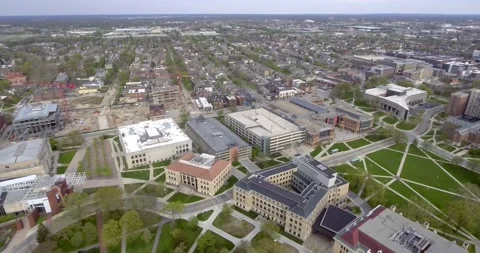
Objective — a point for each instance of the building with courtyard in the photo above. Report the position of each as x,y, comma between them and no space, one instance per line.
32,157
266,130
395,99
153,141
214,138
293,194
383,230
203,172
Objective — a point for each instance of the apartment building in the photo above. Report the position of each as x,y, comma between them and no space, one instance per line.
153,141
32,157
265,129
458,103
384,230
202,172
293,195
395,99
37,120
166,95
214,138
473,105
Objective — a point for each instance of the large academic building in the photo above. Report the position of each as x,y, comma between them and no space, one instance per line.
293,195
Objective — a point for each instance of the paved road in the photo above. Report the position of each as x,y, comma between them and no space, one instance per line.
346,156
249,165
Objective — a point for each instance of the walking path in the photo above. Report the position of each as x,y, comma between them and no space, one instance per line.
79,156
400,167
249,165
159,231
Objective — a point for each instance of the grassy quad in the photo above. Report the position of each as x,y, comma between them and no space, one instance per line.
390,120
184,198
341,147
405,125
142,174
220,242
204,216
375,169
388,159
358,143
166,242
66,157
416,151
233,226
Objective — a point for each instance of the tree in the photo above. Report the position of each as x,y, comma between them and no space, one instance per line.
4,84
112,233
173,208
178,236
42,233
193,222
473,164
77,239
271,229
341,90
184,116
457,160
373,82
46,247
89,233
146,236
426,88
152,64
398,135
461,212
131,222
207,243
405,84
75,203
181,248
225,214
109,198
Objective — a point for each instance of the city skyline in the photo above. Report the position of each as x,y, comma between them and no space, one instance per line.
110,7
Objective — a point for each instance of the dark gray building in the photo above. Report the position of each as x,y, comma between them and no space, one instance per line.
214,138
37,120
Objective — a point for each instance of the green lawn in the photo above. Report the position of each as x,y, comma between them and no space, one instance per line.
434,156
142,167
390,160
166,242
61,169
234,227
399,146
220,242
129,188
283,159
383,180
139,246
339,146
250,214
161,178
243,170
161,164
7,217
229,184
416,151
346,168
204,216
437,198
446,147
462,174
390,120
66,157
184,198
142,175
358,143
267,164
157,172
91,191
291,237
375,169
425,171
151,190
316,151
405,125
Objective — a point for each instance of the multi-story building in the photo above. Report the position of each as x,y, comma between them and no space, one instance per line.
166,95
201,171
265,129
395,99
32,157
383,230
381,70
214,138
462,130
284,93
293,195
473,106
153,141
37,120
353,120
157,112
458,103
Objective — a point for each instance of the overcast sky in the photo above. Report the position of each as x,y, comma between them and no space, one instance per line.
66,7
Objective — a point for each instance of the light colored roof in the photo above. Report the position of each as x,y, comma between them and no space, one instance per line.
21,152
400,100
151,134
32,111
263,122
208,170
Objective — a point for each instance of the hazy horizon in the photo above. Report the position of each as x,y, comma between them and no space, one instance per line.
268,7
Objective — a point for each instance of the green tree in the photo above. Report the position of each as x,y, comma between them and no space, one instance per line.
131,222
342,91
90,233
398,135
173,208
77,239
112,233
123,77
42,233
181,248
426,88
373,82
184,116
193,222
271,229
75,204
4,85
178,236
207,243
146,236
109,198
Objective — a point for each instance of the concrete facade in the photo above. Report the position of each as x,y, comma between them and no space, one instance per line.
169,96
473,106
37,120
457,103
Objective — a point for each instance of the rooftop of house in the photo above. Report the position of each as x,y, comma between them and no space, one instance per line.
215,134
203,166
150,134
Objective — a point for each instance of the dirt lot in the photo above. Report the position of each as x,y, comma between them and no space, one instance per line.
127,116
85,101
82,120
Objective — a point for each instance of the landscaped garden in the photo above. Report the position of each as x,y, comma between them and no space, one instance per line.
229,184
392,120
97,162
233,226
267,163
175,233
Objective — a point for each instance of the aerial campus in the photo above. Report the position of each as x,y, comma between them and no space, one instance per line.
232,133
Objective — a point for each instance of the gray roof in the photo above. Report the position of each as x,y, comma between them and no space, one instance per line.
33,111
353,113
21,152
12,196
61,78
309,106
215,134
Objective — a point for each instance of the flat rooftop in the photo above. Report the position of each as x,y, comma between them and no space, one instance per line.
35,111
215,134
381,91
289,108
21,152
204,166
150,134
263,122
